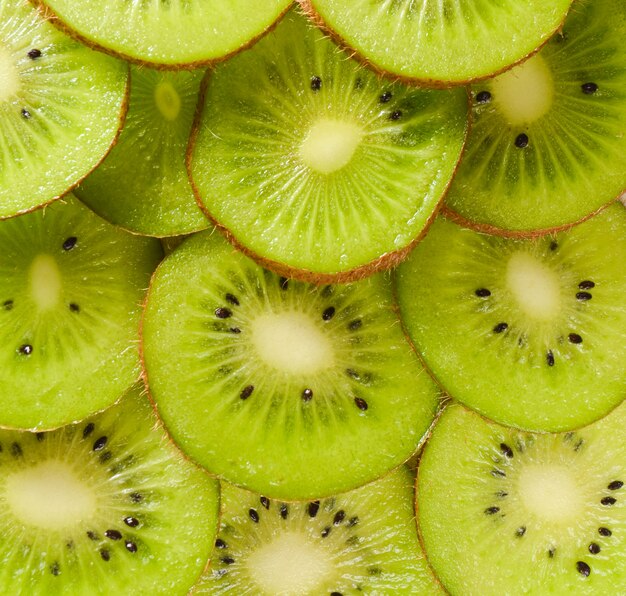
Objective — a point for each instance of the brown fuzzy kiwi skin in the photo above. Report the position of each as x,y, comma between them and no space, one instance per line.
51,16
385,262
120,125
430,83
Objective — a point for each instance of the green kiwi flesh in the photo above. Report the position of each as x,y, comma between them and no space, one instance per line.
547,143
528,332
142,185
174,34
506,512
441,43
61,106
107,506
291,390
71,287
315,165
361,542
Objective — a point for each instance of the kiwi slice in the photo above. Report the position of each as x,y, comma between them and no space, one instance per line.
291,390
440,42
361,542
71,287
142,184
547,144
316,166
506,512
527,332
174,34
107,506
61,106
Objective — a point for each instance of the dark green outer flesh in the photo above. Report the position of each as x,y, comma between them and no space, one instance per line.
273,441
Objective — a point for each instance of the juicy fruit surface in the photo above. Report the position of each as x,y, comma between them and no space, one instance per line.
103,507
527,332
170,33
506,512
364,541
442,42
61,106
547,141
311,161
289,389
142,185
71,286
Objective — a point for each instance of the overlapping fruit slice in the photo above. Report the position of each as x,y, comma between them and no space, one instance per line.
547,144
71,287
61,106
293,390
315,165
529,332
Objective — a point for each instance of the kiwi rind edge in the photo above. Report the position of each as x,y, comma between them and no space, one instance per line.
49,15
308,8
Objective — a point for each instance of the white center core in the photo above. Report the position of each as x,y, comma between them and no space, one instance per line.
167,100
290,565
330,145
524,93
291,342
9,79
45,281
550,492
50,496
534,286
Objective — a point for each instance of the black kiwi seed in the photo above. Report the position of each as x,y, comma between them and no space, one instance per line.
131,522
500,327
483,97
235,330
131,547
70,243
25,349
34,54
232,299
223,313
586,285
136,497
385,97
498,473
325,532
554,245
551,552
583,568
25,113
74,307
506,450
316,83
284,511
105,554
92,535
246,392
353,521
336,594
583,296
254,515
395,115
329,313
113,535
105,457
265,502
339,517
594,549
492,510
284,283
307,395
40,436
521,140
608,501
219,543
361,403
520,531
354,325
589,88
227,560
605,532
550,358
615,485
482,293
88,430
16,450
313,508
575,338
100,443
54,569
7,304
501,494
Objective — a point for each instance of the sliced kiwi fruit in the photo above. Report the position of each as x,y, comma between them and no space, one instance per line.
106,506
61,106
175,34
292,390
507,512
142,185
313,164
547,144
361,542
440,42
528,332
71,287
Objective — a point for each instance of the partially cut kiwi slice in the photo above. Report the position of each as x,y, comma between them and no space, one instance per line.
169,33
506,512
61,106
441,42
107,506
528,332
289,389
315,165
142,184
547,144
364,541
71,287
